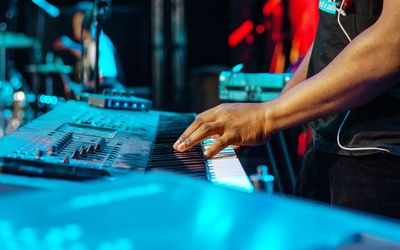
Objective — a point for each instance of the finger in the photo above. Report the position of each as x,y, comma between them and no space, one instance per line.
206,130
215,137
193,127
236,148
202,118
216,147
205,117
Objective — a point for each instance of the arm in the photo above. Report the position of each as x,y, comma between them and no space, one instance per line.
65,43
301,72
352,79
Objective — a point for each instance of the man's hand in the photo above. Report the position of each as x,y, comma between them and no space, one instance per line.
62,43
241,124
66,43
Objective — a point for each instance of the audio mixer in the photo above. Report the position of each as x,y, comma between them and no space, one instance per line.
76,134
78,141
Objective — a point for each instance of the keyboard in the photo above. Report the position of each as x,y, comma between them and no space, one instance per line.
224,169
76,136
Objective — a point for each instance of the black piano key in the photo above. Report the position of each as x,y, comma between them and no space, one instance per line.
164,157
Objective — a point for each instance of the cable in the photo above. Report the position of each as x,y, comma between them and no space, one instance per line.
340,13
355,149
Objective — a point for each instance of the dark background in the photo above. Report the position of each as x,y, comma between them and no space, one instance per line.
208,25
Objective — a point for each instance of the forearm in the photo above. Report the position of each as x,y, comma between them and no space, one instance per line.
75,52
352,79
72,47
301,72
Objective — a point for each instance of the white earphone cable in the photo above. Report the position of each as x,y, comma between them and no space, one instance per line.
340,11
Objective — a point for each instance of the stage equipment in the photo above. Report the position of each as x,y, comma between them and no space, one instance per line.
262,181
12,40
15,97
246,87
117,141
49,68
47,7
165,211
120,101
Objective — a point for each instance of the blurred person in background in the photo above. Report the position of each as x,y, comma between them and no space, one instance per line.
110,68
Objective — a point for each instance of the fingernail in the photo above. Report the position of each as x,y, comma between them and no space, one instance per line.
181,147
206,153
176,144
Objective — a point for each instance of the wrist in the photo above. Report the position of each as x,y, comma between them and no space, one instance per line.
269,124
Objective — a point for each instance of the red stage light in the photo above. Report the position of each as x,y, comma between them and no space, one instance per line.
260,29
301,144
250,39
269,6
240,33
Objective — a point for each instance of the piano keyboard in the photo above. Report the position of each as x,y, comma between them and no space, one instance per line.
116,141
224,169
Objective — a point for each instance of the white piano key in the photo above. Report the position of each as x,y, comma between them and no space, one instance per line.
225,169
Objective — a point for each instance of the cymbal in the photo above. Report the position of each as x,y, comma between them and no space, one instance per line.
48,68
13,40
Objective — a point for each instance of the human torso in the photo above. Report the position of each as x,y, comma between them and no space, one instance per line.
374,124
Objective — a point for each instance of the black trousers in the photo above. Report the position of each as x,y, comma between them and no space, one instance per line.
368,183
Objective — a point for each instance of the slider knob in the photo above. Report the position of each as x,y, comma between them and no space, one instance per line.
103,142
39,153
99,147
66,159
52,149
75,154
82,152
91,149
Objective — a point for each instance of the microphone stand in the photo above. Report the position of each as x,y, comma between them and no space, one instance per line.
99,13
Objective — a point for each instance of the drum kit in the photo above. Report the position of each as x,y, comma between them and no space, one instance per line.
17,100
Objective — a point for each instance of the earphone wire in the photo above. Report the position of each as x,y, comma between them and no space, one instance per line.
340,10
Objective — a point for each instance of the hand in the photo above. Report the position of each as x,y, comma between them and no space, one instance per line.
64,43
241,124
59,44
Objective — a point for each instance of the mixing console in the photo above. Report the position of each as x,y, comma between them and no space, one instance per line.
80,135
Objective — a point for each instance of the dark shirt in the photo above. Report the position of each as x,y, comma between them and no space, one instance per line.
376,124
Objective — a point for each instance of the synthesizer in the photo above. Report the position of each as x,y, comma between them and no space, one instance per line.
77,141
